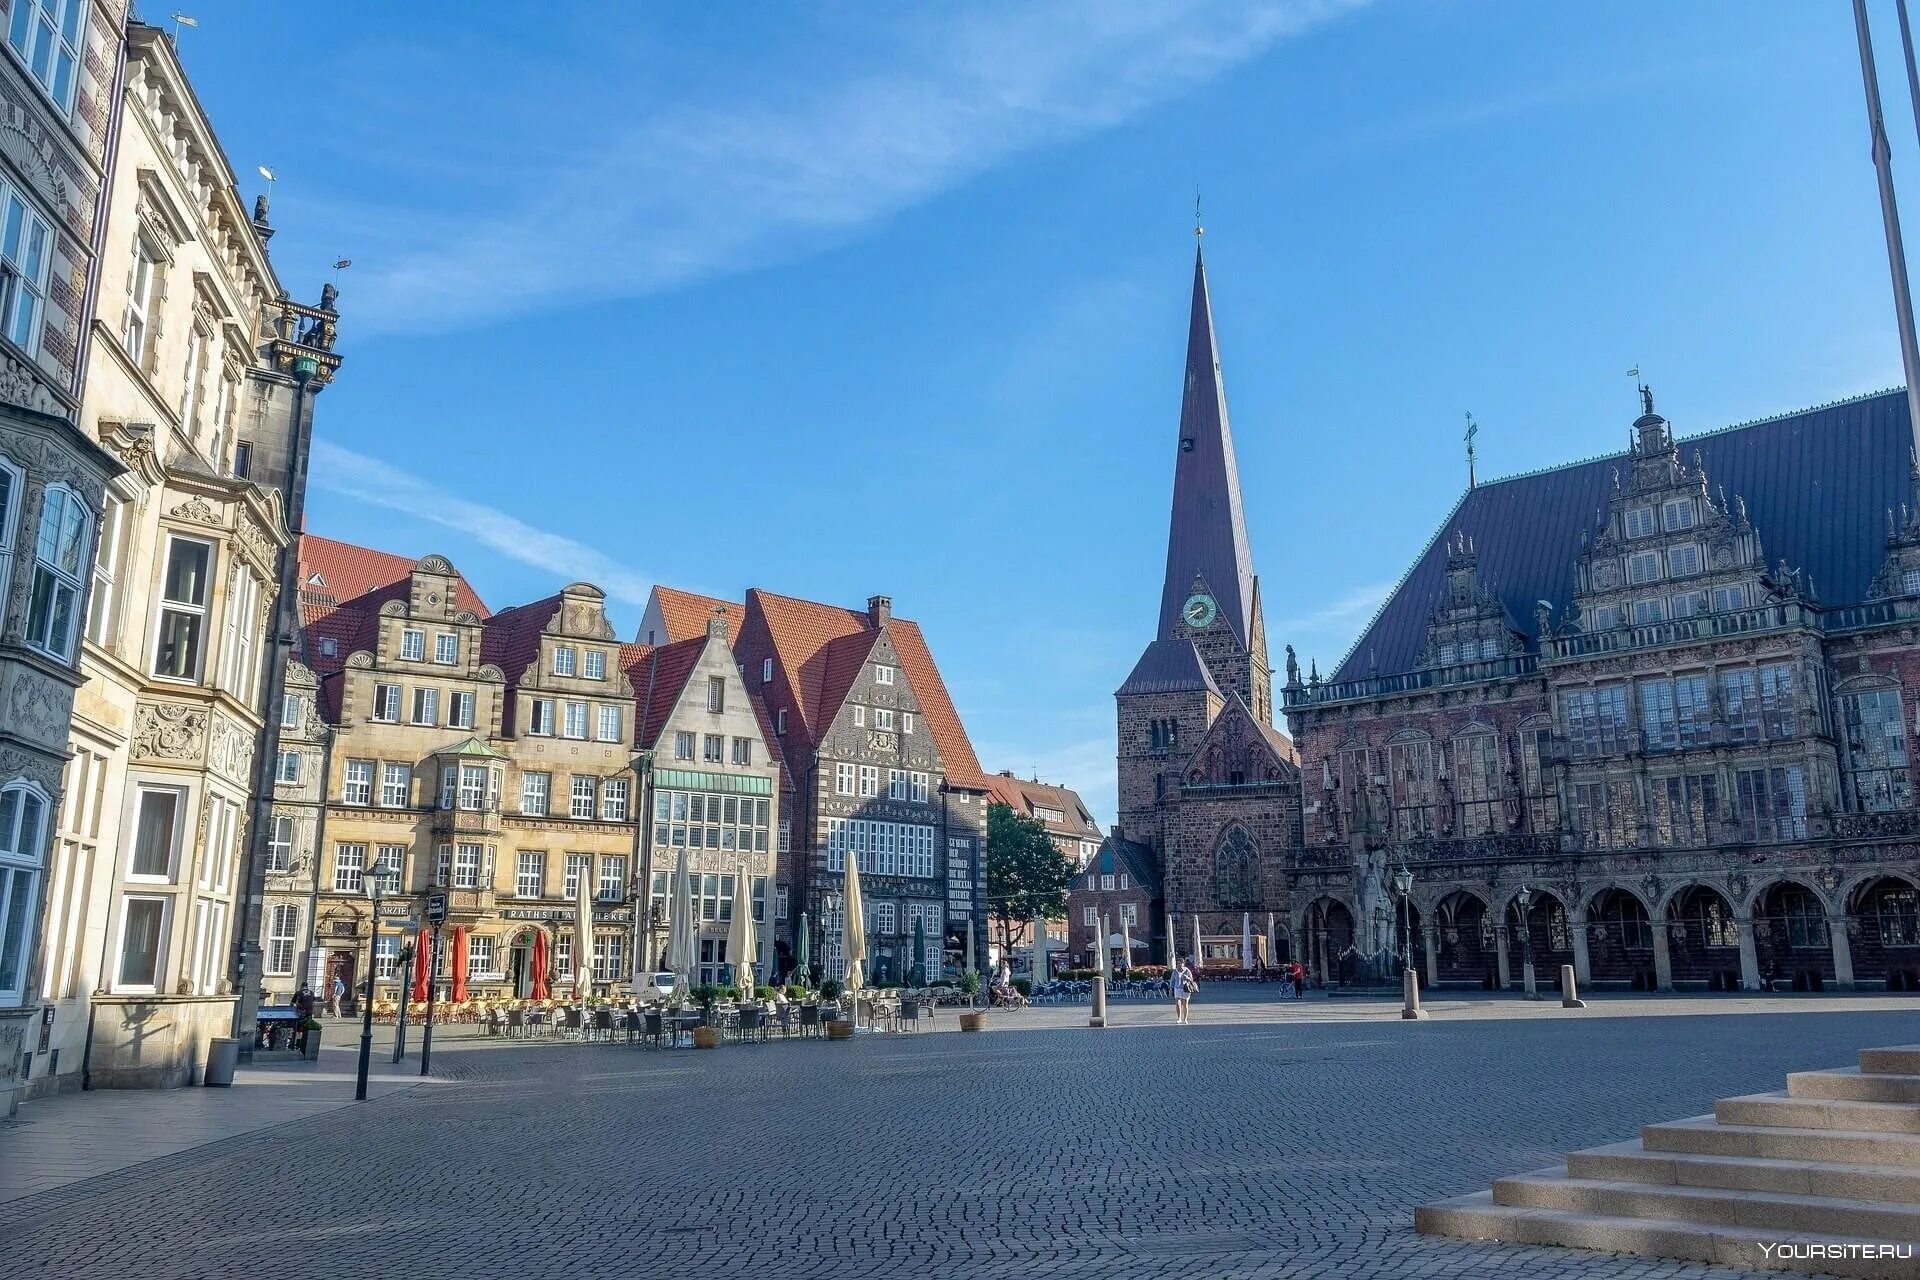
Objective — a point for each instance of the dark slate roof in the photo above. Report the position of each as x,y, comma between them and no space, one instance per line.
1817,484
1169,666
1207,534
1119,854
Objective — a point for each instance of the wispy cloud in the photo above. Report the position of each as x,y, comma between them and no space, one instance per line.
759,174
1086,765
1338,620
380,484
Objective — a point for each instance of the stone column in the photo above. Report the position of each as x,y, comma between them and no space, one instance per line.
1662,961
1842,953
1582,965
1749,955
1430,939
1500,956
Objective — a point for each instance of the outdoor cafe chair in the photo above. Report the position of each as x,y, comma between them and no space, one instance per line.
809,1017
909,1017
652,1028
784,1015
603,1024
516,1022
575,1023
751,1021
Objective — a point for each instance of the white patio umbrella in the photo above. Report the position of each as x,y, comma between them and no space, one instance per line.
1246,939
1196,942
1273,940
853,936
743,944
680,929
583,936
1106,949
1126,943
1172,949
1039,974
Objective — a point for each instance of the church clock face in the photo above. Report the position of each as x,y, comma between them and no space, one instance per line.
1199,611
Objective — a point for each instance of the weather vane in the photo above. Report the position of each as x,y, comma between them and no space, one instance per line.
1473,429
1198,229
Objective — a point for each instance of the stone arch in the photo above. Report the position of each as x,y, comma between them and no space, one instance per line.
1544,932
1463,940
1326,936
1703,936
1620,939
1236,881
1883,929
1791,938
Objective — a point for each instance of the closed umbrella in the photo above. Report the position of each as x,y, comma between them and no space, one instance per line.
1196,942
1172,959
1106,949
1126,943
680,936
970,962
853,935
459,964
742,943
582,936
1246,939
422,947
539,990
918,977
802,964
1273,941
1039,949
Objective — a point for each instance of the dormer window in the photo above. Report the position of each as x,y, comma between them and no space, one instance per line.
1679,514
766,670
1639,522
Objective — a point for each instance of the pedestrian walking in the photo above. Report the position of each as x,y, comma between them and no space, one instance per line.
334,995
1182,984
1298,972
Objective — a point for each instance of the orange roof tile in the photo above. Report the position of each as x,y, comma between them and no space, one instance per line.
1023,796
348,571
685,613
658,683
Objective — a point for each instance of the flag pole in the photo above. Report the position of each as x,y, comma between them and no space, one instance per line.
1890,212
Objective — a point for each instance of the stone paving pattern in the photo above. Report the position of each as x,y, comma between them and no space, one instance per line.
1265,1141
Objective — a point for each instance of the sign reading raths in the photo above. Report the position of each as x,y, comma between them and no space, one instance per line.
614,915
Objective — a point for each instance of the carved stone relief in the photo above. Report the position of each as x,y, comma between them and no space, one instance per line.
168,731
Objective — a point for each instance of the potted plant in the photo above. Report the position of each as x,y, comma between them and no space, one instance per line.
970,986
796,992
310,1046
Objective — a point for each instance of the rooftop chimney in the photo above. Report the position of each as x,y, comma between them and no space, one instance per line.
880,609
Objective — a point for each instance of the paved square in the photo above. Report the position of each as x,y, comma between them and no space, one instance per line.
1267,1140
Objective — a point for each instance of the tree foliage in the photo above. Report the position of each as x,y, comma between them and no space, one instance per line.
1027,875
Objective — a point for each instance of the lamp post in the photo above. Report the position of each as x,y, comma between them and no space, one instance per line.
405,973
656,924
1525,899
1403,881
366,1007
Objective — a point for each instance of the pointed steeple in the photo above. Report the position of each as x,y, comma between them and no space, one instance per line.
1207,536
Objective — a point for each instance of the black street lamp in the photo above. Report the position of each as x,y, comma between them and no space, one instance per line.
1525,899
366,1008
1403,881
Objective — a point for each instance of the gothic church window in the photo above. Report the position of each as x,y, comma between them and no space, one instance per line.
1233,870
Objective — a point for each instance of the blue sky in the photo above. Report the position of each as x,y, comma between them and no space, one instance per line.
837,299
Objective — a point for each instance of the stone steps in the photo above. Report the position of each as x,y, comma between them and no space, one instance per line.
1477,1217
1822,1177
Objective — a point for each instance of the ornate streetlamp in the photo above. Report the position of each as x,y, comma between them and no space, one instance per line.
1525,899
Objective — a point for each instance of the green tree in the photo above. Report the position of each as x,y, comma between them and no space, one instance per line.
1027,875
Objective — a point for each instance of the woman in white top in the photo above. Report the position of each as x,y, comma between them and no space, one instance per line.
1181,983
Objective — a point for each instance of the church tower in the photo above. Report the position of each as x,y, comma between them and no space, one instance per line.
1210,643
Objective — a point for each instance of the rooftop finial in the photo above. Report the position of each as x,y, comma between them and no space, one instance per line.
1473,429
1198,229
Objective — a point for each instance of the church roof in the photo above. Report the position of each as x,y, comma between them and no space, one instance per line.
1169,666
1207,533
1817,485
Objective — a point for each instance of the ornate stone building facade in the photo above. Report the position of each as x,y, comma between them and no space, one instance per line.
1208,787
194,364
1648,715
57,75
485,754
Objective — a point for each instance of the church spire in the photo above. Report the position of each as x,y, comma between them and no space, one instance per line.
1207,535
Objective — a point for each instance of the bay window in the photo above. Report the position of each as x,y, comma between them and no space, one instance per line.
59,566
23,814
183,609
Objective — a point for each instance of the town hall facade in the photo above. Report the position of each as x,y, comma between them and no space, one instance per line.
1648,715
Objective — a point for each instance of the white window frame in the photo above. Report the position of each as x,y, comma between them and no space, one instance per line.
1691,551
286,767
280,843
583,801
1677,514
356,783
574,721
594,664
460,710
530,869
882,674
350,867
283,939
906,723
843,778
27,242
613,800
1640,522
388,866
426,706
766,671
859,716
136,322
608,723
413,645
1643,567
386,703
175,837
188,609
566,660
161,942
446,648
396,784
49,35
536,793
68,541
883,718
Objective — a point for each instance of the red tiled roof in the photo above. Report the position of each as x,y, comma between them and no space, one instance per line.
658,682
351,571
686,613
802,636
774,752
1024,796
511,638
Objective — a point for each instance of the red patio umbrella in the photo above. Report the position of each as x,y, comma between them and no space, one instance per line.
421,948
459,964
540,965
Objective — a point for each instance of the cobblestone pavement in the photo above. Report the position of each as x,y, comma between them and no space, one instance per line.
1263,1143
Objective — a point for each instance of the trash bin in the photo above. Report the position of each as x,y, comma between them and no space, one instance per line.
223,1055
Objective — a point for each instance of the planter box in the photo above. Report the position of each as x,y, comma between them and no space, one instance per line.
312,1050
706,1037
839,1029
976,1021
